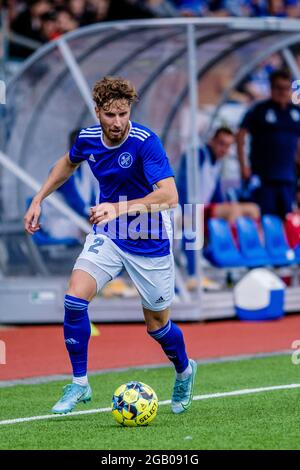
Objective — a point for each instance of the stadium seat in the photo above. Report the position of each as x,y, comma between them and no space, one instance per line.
276,243
297,253
292,231
221,250
250,244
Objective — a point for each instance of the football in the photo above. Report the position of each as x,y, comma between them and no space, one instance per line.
134,404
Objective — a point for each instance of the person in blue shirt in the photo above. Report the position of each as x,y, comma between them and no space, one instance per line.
274,129
211,158
191,7
131,230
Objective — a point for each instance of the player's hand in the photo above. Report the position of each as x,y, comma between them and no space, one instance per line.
103,213
31,218
246,173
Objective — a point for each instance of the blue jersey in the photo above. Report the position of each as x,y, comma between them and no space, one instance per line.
274,135
129,171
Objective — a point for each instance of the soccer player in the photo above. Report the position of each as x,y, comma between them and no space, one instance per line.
131,230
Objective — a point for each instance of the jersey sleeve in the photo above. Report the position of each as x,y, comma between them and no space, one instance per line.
155,161
76,152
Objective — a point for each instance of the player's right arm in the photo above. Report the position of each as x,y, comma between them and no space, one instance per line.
240,143
247,127
61,171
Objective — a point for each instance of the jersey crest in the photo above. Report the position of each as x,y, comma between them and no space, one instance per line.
125,160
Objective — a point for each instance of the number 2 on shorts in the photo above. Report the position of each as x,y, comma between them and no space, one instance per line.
97,242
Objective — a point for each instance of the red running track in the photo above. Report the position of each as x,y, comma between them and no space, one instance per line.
39,350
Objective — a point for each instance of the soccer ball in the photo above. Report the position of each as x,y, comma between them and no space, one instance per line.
134,404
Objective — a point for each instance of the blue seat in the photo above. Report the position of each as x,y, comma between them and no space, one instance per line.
221,250
297,253
249,243
276,243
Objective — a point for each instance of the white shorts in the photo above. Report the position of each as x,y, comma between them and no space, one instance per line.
153,277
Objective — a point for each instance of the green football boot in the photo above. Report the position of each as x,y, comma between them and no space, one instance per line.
73,394
183,391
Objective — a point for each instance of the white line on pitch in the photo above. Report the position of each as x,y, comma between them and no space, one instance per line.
94,373
246,391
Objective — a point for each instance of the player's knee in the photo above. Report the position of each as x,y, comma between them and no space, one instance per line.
82,287
77,290
156,319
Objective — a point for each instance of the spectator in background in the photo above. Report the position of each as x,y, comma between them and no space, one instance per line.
228,8
30,19
79,10
98,9
59,3
161,8
274,128
113,10
65,20
191,7
49,28
254,8
292,8
240,8
257,85
282,8
211,157
28,23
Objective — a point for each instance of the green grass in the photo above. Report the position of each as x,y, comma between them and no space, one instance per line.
260,421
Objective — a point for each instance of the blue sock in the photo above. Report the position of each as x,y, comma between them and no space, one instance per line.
77,332
170,338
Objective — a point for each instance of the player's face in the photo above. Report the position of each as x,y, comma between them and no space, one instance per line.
114,120
221,144
281,91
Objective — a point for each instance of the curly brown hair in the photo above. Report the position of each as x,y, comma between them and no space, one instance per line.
109,89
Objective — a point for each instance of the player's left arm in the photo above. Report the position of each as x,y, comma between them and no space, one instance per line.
164,197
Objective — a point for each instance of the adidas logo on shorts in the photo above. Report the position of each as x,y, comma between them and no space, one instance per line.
160,300
92,158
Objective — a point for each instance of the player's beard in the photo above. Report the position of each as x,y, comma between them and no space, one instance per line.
117,138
